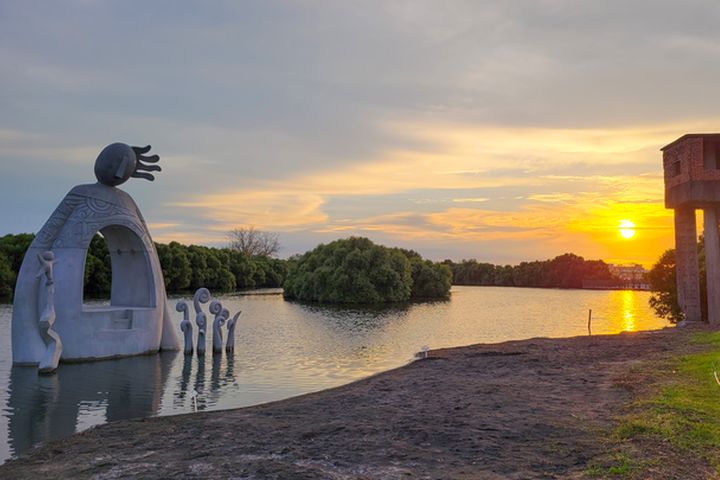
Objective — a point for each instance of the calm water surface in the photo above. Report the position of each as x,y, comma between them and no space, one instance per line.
285,349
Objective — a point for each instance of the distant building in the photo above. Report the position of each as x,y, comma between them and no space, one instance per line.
625,277
632,276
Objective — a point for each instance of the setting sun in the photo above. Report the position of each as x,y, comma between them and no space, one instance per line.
627,229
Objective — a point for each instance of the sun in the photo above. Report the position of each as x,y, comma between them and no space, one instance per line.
627,229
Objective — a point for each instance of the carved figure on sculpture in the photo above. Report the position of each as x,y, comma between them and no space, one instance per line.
50,360
202,295
186,326
231,324
138,319
221,315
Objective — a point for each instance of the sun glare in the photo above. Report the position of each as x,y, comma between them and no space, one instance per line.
627,229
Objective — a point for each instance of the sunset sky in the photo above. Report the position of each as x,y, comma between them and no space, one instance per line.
503,131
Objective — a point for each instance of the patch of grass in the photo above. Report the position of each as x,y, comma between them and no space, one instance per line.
623,467
594,470
633,427
619,465
706,338
685,409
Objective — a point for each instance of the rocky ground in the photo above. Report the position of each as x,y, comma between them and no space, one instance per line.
517,410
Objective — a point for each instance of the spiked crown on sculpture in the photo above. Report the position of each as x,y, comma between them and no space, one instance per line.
118,162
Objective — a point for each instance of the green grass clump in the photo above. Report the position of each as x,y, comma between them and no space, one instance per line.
685,410
619,465
706,338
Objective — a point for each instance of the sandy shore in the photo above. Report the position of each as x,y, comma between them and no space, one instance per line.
517,410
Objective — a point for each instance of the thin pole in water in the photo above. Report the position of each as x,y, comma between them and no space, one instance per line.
589,320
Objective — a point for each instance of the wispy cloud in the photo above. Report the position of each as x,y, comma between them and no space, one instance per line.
470,200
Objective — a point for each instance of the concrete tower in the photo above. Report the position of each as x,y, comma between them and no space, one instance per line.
692,181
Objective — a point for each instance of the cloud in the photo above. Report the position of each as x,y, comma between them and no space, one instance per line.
470,200
452,125
272,210
550,204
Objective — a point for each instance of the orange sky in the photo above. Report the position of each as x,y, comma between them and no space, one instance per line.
473,186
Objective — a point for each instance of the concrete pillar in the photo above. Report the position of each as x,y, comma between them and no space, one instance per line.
686,258
712,263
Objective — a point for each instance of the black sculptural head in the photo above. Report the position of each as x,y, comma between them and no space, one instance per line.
118,162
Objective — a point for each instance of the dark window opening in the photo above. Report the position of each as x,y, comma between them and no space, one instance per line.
711,154
675,169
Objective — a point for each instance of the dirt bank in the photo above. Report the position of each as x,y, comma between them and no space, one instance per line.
518,410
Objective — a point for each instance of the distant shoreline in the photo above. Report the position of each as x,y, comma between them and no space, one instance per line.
279,291
555,288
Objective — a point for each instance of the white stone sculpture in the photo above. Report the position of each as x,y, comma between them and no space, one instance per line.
138,319
231,324
186,326
221,315
52,340
202,295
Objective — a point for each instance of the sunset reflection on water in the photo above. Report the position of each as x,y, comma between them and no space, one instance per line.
628,310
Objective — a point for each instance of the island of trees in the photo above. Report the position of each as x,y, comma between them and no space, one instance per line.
355,270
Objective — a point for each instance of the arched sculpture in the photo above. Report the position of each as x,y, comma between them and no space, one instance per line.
231,324
186,326
221,315
138,319
202,295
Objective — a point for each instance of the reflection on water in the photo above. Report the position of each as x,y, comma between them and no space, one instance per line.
285,349
629,308
81,395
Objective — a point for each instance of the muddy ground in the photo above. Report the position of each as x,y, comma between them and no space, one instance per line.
515,410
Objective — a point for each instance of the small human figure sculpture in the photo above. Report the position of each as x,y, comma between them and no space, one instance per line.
202,295
51,358
231,323
186,326
220,318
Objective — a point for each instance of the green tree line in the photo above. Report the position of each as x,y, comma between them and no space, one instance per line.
351,270
185,268
565,271
355,270
12,252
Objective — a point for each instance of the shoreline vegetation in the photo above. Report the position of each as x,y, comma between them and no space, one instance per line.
187,268
631,405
